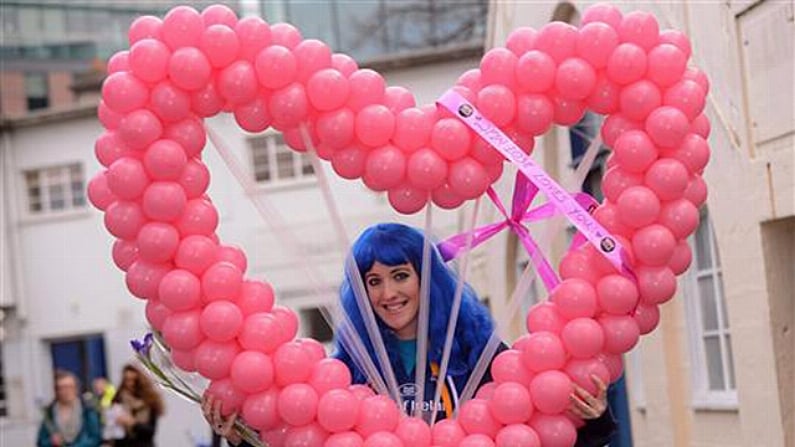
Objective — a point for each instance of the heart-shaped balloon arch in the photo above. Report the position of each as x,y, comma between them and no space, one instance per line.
194,65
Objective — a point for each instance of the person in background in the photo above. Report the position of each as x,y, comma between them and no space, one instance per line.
141,407
68,420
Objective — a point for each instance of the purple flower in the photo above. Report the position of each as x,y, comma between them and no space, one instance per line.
142,347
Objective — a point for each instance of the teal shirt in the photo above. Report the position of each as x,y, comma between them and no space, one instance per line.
408,354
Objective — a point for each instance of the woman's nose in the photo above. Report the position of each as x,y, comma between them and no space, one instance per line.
390,289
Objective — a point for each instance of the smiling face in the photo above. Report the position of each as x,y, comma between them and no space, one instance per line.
394,293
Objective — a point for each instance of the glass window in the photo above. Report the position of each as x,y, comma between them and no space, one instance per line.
37,90
55,189
273,161
709,323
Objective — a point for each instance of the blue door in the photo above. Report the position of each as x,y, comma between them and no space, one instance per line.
84,357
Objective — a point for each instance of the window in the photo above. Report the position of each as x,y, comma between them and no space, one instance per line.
37,91
3,399
709,325
56,189
317,326
83,356
274,162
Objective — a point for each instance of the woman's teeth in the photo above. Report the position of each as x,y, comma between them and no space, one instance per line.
395,307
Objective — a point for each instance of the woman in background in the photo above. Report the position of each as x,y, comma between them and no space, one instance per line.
141,407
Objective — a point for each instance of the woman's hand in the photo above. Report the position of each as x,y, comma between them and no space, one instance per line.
211,408
586,406
125,419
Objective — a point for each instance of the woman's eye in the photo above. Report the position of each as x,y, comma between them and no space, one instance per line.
401,276
372,282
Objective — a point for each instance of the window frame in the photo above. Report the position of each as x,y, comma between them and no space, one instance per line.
274,145
702,397
64,171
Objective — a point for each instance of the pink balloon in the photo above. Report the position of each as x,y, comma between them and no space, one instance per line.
681,259
254,34
638,206
156,313
195,178
647,317
148,60
255,297
99,193
517,435
604,13
655,284
214,359
653,245
468,178
375,125
543,351
558,39
252,371
312,56
183,360
367,87
667,126
344,64
407,199
626,64
581,371
508,366
497,103
349,163
189,68
276,436
575,298
123,92
181,330
693,153
261,332
413,432
157,242
634,151
289,106
498,66
617,180
361,391
398,99
110,119
677,39
617,295
446,198
118,62
545,317
195,254
189,134
696,191
486,391
614,364
237,83
667,63
291,364
595,43
336,128
668,178
582,338
182,27
145,27
575,79
254,115
206,101
412,129
124,219
554,430
222,281
219,15
447,433
534,114
615,126
639,99
640,28
426,169
511,403
477,440
338,410
383,439
328,89
568,111
574,265
164,201
298,404
604,99
233,255
521,40
139,129
231,398
607,215
221,321
170,103
124,253
345,439
330,374
697,75
385,168
276,67
535,72
165,160
450,138
180,290
377,413
220,44
621,333
550,391
261,410
475,417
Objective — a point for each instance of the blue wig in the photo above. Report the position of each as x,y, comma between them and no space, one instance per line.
393,244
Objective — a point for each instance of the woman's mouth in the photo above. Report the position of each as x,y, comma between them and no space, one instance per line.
395,307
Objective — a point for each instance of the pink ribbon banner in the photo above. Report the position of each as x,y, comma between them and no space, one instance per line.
564,202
